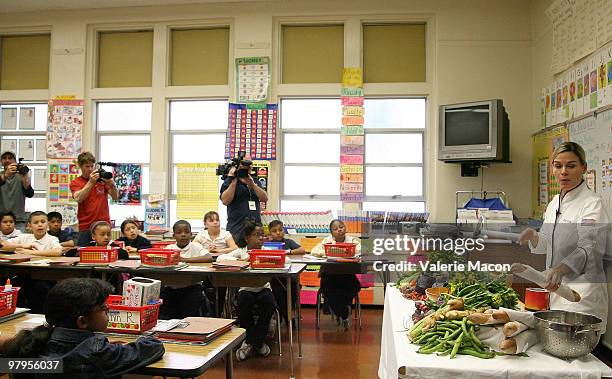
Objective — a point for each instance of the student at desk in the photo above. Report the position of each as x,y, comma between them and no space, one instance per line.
37,243
132,238
339,289
215,240
7,226
181,302
74,310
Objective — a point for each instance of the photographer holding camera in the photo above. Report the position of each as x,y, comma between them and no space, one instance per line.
91,191
15,186
241,194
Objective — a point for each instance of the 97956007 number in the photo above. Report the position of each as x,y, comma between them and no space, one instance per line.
31,366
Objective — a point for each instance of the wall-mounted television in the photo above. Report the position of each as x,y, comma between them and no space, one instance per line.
476,131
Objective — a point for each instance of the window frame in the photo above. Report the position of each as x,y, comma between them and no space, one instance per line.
172,196
20,133
387,131
117,133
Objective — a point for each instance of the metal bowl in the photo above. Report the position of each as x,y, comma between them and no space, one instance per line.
567,335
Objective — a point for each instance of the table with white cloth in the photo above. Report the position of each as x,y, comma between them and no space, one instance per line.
396,352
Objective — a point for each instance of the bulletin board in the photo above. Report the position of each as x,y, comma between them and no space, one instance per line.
594,134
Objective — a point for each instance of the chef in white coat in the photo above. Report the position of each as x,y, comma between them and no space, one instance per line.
574,236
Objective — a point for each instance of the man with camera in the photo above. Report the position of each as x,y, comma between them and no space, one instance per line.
241,194
91,191
15,186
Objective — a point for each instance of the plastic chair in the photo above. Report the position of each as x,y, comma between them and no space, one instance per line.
356,308
231,302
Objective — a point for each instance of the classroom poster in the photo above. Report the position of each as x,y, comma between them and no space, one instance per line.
352,147
262,169
155,216
9,118
64,124
26,149
68,212
26,118
253,79
128,178
197,190
61,173
251,130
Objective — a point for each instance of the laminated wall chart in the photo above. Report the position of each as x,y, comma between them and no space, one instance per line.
197,190
352,147
63,142
252,129
253,79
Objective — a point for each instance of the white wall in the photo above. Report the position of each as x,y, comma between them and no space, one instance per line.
477,49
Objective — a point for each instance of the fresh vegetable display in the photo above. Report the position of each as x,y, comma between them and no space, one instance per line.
448,337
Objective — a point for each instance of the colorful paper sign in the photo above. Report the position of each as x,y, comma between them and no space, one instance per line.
355,169
64,124
155,216
351,197
351,187
352,77
351,101
351,178
352,150
351,159
351,91
348,140
253,79
197,190
352,120
353,130
352,111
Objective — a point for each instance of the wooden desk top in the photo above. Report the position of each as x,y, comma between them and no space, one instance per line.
179,360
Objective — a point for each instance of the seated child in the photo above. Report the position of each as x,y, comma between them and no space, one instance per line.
101,234
215,240
55,229
74,310
252,238
37,243
277,233
339,289
7,226
181,302
132,238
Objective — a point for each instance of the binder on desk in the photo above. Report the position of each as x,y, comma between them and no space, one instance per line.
230,265
198,329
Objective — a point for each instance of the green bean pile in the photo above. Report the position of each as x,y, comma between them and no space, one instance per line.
449,337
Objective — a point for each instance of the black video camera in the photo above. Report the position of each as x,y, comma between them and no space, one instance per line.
103,173
223,169
22,168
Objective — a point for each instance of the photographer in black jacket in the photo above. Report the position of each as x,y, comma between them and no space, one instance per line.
15,186
242,195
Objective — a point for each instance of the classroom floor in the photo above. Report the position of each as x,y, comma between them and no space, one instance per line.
327,353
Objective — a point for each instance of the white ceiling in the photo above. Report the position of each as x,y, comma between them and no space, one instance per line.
13,6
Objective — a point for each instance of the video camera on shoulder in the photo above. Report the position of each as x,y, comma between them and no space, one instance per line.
103,173
22,168
223,169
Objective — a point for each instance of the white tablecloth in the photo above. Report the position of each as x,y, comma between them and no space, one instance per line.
397,351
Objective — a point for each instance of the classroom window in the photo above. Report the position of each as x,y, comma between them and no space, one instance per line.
125,59
199,56
310,154
312,53
197,135
124,136
23,131
394,53
394,176
24,62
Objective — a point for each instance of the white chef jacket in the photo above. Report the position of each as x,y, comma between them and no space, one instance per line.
575,232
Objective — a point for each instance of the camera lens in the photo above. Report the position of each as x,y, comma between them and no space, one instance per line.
106,175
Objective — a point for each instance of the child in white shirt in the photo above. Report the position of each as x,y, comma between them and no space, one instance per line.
181,302
252,238
37,243
7,226
215,240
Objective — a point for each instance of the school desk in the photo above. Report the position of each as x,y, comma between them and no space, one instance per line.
180,360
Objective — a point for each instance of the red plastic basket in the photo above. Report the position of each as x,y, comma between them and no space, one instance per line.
340,249
8,300
160,257
98,254
267,258
161,244
126,319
